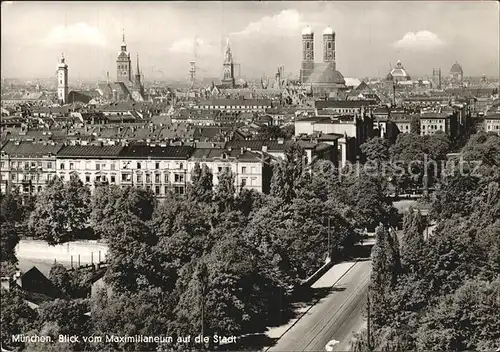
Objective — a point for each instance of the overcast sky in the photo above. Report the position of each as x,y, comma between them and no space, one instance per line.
263,35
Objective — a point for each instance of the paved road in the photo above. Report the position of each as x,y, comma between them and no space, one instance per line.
335,317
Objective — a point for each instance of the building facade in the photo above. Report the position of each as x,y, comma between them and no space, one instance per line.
492,123
27,166
431,123
159,169
251,170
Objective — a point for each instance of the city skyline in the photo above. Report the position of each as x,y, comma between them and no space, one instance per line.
371,36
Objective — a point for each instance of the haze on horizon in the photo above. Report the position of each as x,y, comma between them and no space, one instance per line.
370,36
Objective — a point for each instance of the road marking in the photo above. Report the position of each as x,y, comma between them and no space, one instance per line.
330,344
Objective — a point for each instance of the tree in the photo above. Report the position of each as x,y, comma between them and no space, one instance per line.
225,191
17,318
413,245
201,187
385,271
415,125
108,200
147,313
8,242
289,175
61,278
370,204
130,257
11,207
61,211
464,320
376,149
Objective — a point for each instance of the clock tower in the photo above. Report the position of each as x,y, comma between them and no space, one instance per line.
123,64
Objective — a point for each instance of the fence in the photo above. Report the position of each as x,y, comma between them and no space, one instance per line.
76,253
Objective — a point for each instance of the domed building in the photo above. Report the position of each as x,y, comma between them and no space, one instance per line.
398,73
456,72
321,78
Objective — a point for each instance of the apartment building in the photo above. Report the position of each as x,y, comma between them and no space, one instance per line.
492,123
158,168
432,122
27,166
250,169
235,105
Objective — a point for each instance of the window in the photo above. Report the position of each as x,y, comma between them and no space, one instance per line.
71,166
61,167
166,178
243,182
157,166
181,166
112,166
113,178
178,178
126,177
253,181
148,188
253,170
98,166
329,45
148,178
139,165
157,178
166,189
98,178
3,164
139,178
87,178
179,190
243,169
157,189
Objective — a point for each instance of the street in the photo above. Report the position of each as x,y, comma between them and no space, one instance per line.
335,317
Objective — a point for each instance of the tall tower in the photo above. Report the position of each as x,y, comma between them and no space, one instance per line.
307,65
123,64
137,77
228,66
329,46
62,81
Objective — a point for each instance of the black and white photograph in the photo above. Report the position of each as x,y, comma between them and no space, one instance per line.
266,176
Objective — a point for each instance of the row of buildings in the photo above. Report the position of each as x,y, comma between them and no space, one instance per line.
161,168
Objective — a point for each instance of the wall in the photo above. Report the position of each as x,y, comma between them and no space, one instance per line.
40,250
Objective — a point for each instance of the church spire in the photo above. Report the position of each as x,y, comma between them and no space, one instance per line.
124,45
228,57
138,70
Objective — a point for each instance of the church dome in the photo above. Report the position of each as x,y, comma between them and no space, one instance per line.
307,31
328,31
399,72
456,69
